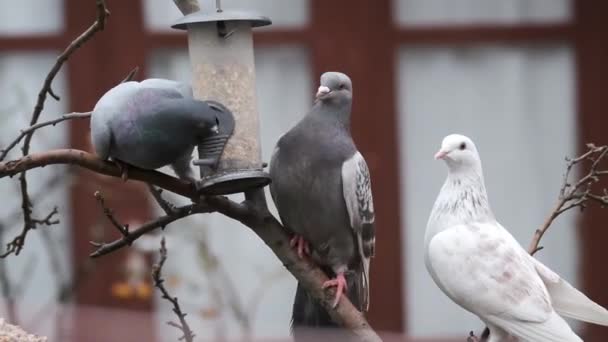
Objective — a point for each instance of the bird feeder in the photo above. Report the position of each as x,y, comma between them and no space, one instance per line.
220,43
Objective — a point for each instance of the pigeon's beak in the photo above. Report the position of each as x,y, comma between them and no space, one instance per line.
322,91
215,129
441,154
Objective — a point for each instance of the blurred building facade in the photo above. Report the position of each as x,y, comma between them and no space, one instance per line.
523,78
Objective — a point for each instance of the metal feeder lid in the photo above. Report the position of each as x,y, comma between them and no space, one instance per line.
255,19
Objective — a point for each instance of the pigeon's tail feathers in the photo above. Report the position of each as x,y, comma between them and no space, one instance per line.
309,318
307,312
101,134
568,301
554,329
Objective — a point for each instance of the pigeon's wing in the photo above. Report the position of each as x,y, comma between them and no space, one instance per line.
185,90
569,301
481,267
553,329
484,269
357,191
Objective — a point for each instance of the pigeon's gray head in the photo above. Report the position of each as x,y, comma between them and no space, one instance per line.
335,88
459,153
209,126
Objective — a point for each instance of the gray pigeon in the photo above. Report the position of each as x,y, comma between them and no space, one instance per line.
321,187
151,124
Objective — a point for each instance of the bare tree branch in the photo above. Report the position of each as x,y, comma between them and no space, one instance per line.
161,222
26,205
575,194
130,75
93,163
123,229
168,207
32,128
16,244
252,213
159,283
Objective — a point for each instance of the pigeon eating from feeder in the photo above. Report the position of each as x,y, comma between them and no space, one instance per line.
480,266
156,122
321,187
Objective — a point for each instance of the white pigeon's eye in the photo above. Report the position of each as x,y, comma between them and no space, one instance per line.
342,86
463,146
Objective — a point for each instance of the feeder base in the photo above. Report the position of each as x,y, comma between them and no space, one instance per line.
232,181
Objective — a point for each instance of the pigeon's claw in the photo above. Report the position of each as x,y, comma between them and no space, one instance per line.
473,338
340,283
300,245
124,169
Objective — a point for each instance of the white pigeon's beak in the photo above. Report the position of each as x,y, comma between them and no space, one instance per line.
323,90
441,154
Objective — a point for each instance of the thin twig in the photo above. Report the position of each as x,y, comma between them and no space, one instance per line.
32,128
161,222
26,205
123,229
575,194
59,179
130,75
64,117
15,246
167,206
159,284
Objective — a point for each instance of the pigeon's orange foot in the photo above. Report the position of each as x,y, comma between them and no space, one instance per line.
300,245
340,283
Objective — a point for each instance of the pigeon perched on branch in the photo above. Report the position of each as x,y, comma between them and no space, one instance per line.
321,187
480,266
151,124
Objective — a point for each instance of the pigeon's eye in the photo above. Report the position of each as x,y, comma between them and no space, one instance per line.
217,121
463,146
342,86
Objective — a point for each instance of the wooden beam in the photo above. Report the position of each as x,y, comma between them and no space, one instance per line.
500,34
353,43
32,43
592,76
97,66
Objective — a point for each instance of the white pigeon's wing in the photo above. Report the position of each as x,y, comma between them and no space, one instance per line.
481,267
554,329
569,301
357,191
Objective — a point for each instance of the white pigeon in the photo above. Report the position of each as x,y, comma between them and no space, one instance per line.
480,266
